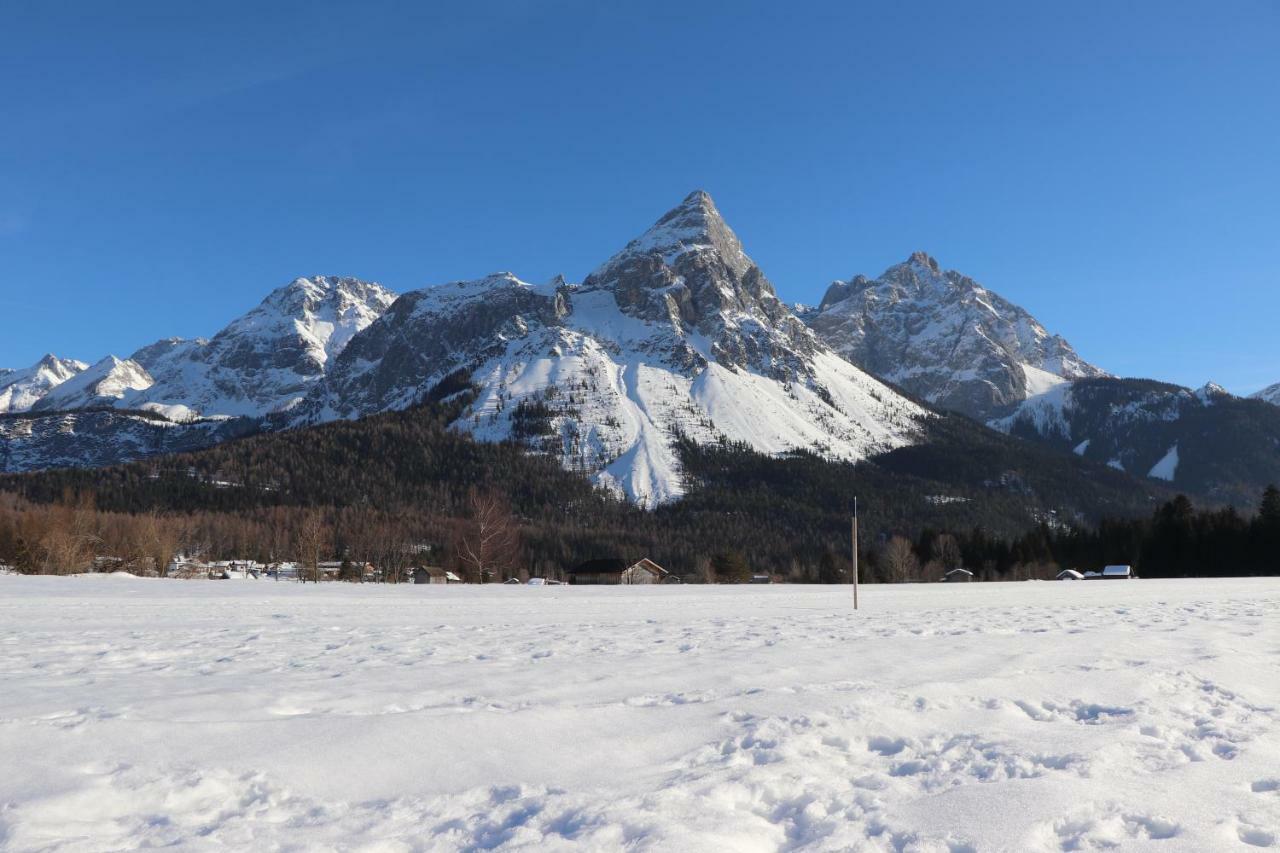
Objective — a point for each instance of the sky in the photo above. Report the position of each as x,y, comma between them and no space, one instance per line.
1114,167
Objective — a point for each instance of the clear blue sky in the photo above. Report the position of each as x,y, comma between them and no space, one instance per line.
1112,166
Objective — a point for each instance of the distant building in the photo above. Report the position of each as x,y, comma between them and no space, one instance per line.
761,579
958,576
614,571
1117,572
1070,575
431,574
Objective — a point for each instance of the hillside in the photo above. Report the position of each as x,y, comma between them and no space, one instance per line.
786,511
1210,444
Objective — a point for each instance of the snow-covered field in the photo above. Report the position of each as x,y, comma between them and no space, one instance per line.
1140,715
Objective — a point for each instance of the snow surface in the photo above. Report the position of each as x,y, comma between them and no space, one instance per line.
1039,381
1167,467
265,716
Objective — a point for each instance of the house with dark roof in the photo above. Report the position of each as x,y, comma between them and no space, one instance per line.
434,574
615,571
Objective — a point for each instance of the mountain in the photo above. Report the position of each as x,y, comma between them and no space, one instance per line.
184,394
23,388
102,384
677,336
1206,442
944,338
1270,394
266,360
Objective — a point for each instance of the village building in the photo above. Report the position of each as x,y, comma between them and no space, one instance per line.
958,576
1070,575
614,571
433,574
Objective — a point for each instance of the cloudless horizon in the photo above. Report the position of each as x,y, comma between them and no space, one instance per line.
1110,167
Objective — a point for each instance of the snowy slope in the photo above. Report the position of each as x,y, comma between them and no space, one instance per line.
1270,394
105,383
679,333
21,389
1205,441
996,717
266,360
944,337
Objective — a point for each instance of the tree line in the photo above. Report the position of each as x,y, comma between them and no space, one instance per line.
488,541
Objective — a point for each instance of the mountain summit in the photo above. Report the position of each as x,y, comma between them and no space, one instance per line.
103,384
22,388
944,337
678,335
267,359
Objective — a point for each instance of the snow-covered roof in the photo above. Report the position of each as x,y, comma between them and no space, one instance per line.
1116,571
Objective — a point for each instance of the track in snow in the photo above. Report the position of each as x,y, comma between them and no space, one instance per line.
1036,716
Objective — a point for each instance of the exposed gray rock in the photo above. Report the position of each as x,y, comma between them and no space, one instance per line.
943,337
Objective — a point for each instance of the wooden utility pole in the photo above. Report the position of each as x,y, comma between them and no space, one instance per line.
855,553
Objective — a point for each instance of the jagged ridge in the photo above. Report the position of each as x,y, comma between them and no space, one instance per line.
945,338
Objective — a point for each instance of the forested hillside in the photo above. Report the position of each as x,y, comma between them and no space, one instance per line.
399,478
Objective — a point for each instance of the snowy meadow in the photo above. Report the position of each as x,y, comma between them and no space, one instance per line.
1140,715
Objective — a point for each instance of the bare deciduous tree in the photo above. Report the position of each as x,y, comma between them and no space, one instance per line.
489,546
313,538
900,560
946,550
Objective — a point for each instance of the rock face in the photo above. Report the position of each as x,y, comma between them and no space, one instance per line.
265,361
679,334
21,389
1154,429
944,338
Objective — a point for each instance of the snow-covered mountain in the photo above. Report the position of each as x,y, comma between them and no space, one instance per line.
945,338
1205,441
23,388
1270,394
678,334
103,384
266,360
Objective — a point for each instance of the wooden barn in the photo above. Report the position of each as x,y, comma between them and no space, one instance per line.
614,570
431,574
958,576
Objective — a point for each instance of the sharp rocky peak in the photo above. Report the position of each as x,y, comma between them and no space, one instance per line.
689,269
59,365
944,337
306,294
